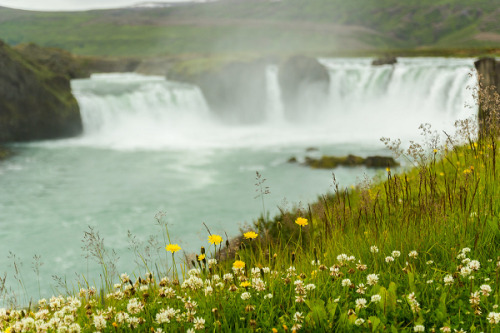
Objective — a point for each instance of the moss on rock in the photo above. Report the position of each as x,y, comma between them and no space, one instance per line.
35,102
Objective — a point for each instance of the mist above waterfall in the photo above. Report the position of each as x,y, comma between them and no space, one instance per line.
362,104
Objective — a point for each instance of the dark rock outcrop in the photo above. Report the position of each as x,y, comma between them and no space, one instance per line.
35,102
384,61
235,91
488,70
302,80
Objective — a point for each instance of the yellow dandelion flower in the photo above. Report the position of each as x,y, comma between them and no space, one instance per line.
215,239
388,169
8,330
301,221
201,257
245,284
274,330
441,173
250,235
114,324
239,264
435,151
172,248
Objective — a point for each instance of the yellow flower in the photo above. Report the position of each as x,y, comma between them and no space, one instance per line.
274,330
214,239
8,330
435,151
245,284
301,221
114,324
250,235
238,264
388,169
201,257
172,248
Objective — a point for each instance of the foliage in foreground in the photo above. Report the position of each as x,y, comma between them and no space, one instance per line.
417,252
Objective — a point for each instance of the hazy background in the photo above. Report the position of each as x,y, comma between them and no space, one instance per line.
69,5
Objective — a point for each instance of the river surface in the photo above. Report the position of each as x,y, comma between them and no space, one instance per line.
152,145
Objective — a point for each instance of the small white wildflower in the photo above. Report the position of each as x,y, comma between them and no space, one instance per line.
245,296
429,262
125,278
485,289
376,298
99,322
373,249
419,328
346,283
228,277
310,287
465,250
134,306
212,262
413,254
268,296
445,329
359,322
342,258
430,281
199,323
448,280
466,261
465,271
389,259
298,317
474,265
336,300
493,318
360,303
396,254
208,290
315,263
372,279
351,258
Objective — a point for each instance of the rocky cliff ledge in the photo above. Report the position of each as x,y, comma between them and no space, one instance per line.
35,102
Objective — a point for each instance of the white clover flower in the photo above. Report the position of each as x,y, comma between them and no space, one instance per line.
389,259
346,283
342,258
208,290
465,271
461,256
485,289
199,323
474,265
493,318
298,317
360,303
445,329
396,254
125,278
448,280
212,262
99,322
466,261
194,272
419,328
121,317
268,296
228,277
376,298
74,328
373,249
310,287
315,263
190,330
258,284
245,296
359,322
429,262
351,258
430,281
413,254
144,288
134,306
465,250
336,300
266,270
372,279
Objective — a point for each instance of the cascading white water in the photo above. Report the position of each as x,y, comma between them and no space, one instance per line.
364,103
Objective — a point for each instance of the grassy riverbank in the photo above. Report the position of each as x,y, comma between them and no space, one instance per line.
417,251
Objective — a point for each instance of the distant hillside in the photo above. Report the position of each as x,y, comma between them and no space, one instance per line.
261,27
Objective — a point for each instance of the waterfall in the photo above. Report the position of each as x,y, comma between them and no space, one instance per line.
364,103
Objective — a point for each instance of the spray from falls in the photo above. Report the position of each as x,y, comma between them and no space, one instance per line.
362,104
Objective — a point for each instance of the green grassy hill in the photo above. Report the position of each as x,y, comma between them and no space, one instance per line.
260,27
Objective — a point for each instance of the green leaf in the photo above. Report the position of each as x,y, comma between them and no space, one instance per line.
332,308
375,323
441,312
318,312
411,281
